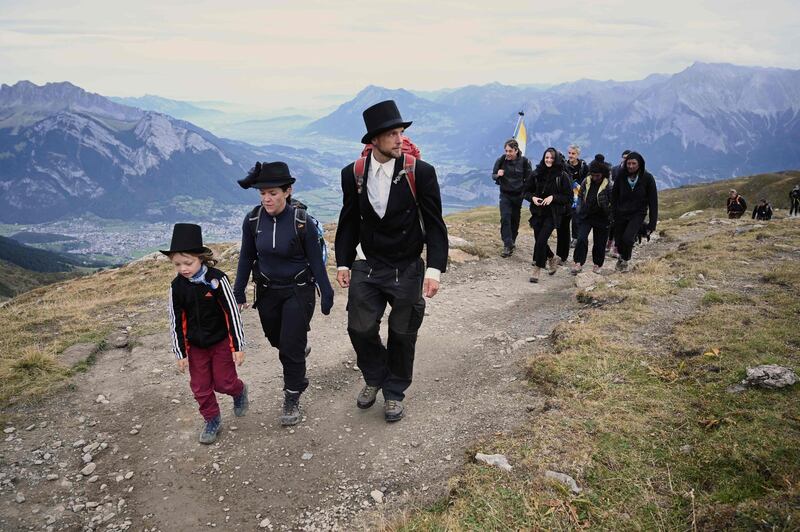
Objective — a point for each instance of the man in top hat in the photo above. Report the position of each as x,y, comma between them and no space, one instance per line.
380,212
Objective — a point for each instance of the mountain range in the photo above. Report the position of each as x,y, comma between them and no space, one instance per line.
709,121
65,151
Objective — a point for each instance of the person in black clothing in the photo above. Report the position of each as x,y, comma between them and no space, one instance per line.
633,198
287,267
206,328
762,211
550,195
392,217
794,201
510,171
567,233
593,216
619,170
736,205
616,171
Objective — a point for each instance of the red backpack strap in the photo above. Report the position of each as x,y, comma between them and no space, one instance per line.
359,168
410,167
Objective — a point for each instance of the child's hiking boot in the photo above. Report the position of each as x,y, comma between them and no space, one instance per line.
393,410
291,408
210,431
366,398
241,403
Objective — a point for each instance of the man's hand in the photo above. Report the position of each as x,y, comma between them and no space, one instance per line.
430,287
182,363
547,201
501,173
238,357
343,278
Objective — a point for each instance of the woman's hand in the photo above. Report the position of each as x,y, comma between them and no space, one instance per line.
536,201
238,357
182,363
547,201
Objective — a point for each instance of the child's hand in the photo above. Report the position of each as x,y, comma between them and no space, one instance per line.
182,363
238,357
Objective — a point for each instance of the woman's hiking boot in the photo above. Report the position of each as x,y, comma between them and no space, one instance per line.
535,275
552,264
212,428
241,403
291,408
393,410
367,396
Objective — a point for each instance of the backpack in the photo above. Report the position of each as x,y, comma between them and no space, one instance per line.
300,227
409,170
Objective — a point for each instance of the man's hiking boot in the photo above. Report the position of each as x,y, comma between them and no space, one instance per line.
241,403
212,428
576,269
367,396
622,265
507,252
535,275
291,408
392,410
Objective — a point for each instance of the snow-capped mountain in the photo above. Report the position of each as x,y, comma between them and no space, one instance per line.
709,121
66,151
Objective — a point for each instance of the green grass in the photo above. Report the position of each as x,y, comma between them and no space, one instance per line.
644,423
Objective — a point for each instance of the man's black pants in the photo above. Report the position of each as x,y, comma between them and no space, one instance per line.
600,229
795,208
625,231
391,366
510,207
285,315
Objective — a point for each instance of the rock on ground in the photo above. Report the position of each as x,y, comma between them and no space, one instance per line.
566,480
498,460
770,376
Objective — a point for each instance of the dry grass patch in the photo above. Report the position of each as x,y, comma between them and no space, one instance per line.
40,324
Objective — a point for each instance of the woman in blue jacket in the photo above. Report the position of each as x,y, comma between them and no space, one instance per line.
280,246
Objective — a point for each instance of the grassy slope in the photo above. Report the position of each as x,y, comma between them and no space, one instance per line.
642,418
773,187
15,280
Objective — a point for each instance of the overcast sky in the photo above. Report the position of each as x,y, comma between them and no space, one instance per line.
295,53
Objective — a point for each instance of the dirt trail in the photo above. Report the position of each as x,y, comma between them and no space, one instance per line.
153,475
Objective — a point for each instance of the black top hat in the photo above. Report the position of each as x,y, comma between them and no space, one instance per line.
382,117
267,175
186,238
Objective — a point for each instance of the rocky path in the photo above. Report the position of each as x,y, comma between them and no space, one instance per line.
131,459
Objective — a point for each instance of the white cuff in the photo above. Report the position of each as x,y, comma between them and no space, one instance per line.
433,273
343,268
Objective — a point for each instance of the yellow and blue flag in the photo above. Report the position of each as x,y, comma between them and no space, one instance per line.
521,134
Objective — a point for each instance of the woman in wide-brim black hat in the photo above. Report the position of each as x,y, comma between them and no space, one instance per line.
280,246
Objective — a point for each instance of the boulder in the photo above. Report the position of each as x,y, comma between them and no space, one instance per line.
586,279
77,353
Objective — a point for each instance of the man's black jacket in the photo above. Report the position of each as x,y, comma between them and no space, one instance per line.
396,240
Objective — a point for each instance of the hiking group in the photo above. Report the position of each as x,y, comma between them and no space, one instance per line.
391,209
575,199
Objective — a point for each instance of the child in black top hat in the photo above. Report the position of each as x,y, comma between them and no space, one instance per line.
207,333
